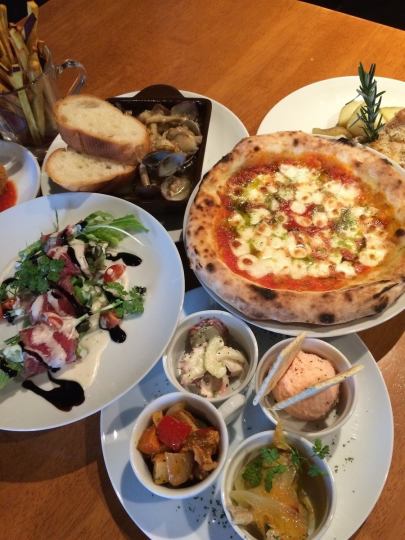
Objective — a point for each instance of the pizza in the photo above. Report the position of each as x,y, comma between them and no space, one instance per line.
298,228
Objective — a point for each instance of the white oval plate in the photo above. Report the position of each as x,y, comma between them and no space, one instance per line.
318,104
225,130
121,365
22,168
359,473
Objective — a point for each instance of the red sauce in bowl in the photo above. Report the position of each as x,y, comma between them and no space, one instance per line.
9,196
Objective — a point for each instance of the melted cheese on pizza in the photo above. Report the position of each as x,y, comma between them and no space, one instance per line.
296,221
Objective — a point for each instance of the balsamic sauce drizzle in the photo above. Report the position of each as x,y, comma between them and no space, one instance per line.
65,396
117,334
127,258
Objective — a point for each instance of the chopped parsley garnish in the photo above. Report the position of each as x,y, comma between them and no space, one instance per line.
34,276
320,450
296,458
268,464
252,473
269,455
128,302
314,471
271,473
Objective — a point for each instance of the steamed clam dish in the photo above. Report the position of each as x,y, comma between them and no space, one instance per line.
175,136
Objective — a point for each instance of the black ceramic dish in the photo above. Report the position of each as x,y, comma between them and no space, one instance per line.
166,96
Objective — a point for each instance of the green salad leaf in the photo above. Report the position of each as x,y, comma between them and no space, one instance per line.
102,226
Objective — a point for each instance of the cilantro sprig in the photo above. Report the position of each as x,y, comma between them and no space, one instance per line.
33,276
129,302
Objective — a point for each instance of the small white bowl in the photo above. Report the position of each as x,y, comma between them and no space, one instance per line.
199,407
326,501
347,395
22,168
238,329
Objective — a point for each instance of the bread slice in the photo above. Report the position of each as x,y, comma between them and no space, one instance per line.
391,139
94,126
75,171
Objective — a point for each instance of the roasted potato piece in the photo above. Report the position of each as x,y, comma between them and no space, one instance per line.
347,111
149,443
160,472
388,113
336,131
179,467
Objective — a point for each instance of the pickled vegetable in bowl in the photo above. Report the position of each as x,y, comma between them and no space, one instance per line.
278,491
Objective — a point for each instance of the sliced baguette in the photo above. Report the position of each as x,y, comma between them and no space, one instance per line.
94,126
75,171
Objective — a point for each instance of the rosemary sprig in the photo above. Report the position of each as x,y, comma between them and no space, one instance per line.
369,112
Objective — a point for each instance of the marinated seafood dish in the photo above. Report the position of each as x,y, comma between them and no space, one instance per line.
66,284
180,448
212,364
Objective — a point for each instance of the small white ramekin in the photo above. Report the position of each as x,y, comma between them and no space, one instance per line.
248,448
347,395
241,334
199,407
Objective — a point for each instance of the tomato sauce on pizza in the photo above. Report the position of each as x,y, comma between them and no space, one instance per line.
305,225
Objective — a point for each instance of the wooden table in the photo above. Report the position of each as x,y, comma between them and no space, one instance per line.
247,55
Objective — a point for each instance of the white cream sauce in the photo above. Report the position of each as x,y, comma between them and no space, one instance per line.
84,370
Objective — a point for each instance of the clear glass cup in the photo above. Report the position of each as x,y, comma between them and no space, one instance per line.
26,114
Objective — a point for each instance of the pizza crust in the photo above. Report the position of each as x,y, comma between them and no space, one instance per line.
358,299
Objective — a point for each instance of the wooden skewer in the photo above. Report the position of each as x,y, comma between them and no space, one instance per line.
281,364
317,388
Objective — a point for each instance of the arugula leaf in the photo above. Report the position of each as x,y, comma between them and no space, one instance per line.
30,250
14,340
102,226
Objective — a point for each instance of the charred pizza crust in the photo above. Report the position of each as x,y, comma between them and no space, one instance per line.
357,298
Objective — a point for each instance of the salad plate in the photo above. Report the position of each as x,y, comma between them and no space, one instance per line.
103,377
318,104
359,474
225,130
